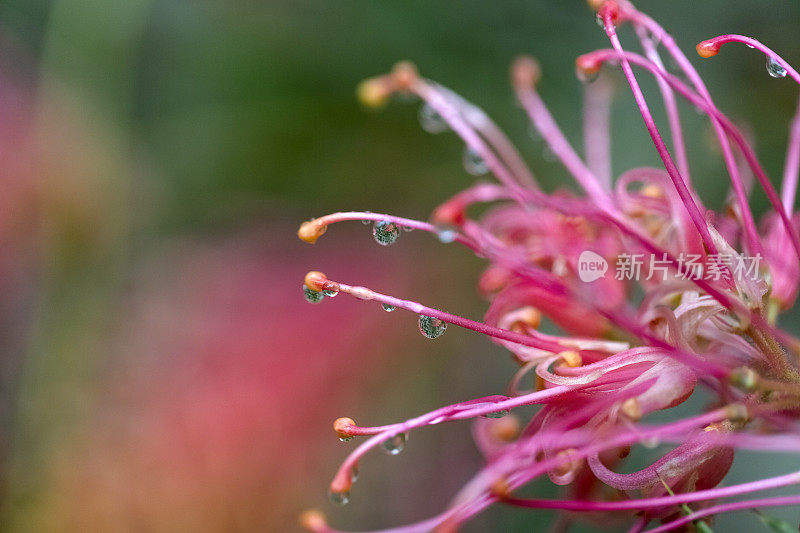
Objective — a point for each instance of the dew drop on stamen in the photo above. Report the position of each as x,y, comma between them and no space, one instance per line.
496,414
388,308
446,234
312,296
474,163
345,439
775,69
395,445
385,232
587,77
431,327
366,221
430,120
339,498
329,293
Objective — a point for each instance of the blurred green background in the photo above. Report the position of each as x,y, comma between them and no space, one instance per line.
160,371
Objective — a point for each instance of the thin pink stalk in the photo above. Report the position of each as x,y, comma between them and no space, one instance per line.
364,293
558,143
710,47
792,167
450,114
670,107
729,128
680,185
776,501
644,21
663,501
596,129
344,216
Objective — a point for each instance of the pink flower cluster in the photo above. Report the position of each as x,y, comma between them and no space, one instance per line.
627,347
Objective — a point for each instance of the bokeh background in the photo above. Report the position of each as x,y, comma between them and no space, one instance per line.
160,370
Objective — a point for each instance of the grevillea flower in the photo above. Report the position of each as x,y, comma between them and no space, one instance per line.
693,302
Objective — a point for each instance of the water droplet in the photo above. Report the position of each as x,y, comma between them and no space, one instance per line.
311,295
385,232
585,76
599,19
474,163
430,120
431,327
446,234
339,498
345,439
750,46
395,445
330,294
366,221
408,228
775,69
497,414
388,308
354,474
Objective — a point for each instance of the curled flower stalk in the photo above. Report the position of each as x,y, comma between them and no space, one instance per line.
651,295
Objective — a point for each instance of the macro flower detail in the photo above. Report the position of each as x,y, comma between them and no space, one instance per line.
700,311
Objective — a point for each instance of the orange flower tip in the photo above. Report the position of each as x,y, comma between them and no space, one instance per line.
449,214
313,520
316,281
342,484
505,429
631,409
311,231
525,72
374,93
405,75
500,488
707,49
343,427
571,358
493,280
587,66
744,378
610,8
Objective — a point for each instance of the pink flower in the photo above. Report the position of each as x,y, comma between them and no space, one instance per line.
693,301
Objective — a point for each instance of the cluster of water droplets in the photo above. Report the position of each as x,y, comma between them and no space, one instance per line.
385,232
431,327
774,68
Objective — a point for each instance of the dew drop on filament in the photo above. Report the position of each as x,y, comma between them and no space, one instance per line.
385,232
339,498
430,120
474,163
775,69
395,445
311,295
388,308
330,294
431,327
